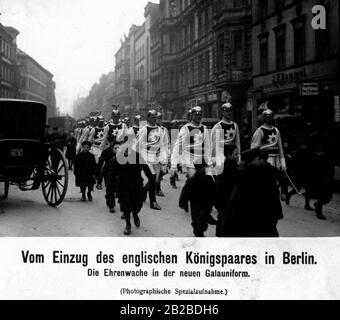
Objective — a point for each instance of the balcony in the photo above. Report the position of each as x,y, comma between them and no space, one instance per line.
167,95
168,22
137,84
238,76
232,16
123,76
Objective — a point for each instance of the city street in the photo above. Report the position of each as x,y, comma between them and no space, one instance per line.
27,214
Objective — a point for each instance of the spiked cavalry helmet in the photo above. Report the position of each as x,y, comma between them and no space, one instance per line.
159,115
196,110
227,106
268,113
152,113
115,111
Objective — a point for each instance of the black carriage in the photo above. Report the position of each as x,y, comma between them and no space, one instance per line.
27,159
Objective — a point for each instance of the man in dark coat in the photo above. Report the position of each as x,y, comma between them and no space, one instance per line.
225,183
84,170
200,191
127,167
254,207
102,170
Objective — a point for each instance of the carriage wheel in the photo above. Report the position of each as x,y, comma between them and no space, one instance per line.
55,179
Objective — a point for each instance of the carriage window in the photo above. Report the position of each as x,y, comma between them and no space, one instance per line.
29,125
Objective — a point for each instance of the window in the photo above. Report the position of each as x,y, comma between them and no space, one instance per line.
238,3
207,66
184,38
185,75
299,43
280,49
172,43
192,32
192,72
210,17
199,23
238,48
264,54
263,9
200,68
220,52
180,41
203,23
195,71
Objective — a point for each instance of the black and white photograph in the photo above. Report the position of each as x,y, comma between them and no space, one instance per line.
183,119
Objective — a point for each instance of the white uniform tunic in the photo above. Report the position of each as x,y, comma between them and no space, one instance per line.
118,130
150,144
95,137
268,138
222,134
192,147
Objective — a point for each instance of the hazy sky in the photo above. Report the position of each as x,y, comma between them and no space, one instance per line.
74,39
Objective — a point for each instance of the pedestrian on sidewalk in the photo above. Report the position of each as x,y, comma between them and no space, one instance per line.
102,171
84,170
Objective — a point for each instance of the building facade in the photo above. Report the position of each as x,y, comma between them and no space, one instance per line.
122,76
140,72
295,67
155,56
205,56
232,61
9,76
36,83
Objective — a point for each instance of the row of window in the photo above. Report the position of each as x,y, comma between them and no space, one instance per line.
229,4
196,71
6,93
321,44
267,7
230,50
6,49
140,53
35,71
36,88
187,34
124,69
122,86
6,73
183,4
155,61
190,73
140,75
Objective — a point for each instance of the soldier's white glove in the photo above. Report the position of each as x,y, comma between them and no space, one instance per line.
283,164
